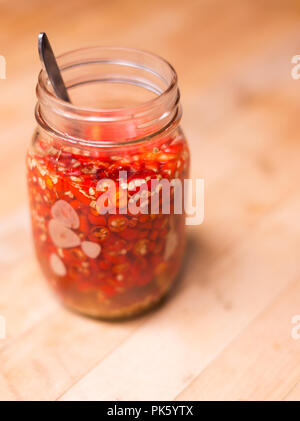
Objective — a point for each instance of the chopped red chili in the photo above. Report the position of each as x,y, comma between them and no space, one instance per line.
107,265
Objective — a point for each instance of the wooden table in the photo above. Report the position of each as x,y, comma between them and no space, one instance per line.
226,331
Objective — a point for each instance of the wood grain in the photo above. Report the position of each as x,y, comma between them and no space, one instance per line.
225,333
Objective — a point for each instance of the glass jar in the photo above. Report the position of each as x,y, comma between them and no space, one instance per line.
101,256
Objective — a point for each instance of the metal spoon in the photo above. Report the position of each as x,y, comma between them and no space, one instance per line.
48,59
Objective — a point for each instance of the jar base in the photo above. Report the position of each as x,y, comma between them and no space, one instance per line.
121,315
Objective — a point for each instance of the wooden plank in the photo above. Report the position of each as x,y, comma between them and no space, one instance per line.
160,359
294,393
241,113
56,353
261,364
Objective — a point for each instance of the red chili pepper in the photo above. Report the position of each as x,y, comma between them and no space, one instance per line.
97,220
99,233
84,225
117,223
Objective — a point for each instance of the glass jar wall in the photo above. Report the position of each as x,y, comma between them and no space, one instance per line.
101,235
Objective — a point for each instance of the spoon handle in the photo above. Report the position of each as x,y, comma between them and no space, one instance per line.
48,59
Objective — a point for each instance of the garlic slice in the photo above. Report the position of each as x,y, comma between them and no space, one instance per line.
61,235
57,265
171,244
91,249
64,212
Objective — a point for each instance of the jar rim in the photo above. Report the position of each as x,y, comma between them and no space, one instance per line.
75,141
43,82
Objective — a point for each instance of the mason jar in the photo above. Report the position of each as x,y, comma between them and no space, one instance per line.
102,238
